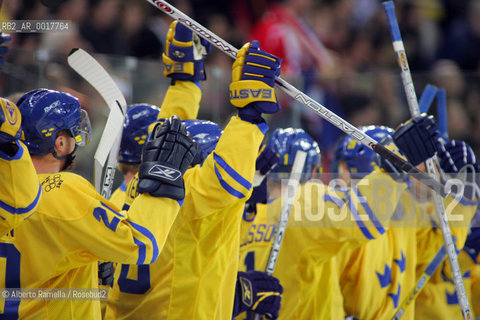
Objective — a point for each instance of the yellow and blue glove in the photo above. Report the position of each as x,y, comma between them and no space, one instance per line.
10,130
258,292
10,121
184,54
253,79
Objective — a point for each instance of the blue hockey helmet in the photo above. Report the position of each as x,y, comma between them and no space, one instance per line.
360,159
135,131
47,112
286,142
206,134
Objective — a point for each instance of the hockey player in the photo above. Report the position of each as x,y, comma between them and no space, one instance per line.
258,229
379,275
19,190
438,298
134,135
472,246
309,276
196,275
183,100
58,247
206,135
315,233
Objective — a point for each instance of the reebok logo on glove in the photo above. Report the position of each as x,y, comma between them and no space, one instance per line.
165,172
247,291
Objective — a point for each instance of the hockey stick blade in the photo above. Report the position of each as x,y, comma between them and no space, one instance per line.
108,147
87,67
93,72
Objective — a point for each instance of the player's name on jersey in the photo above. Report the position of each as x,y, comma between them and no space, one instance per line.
49,294
259,233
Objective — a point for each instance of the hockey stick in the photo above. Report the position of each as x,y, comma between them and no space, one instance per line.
429,93
427,97
414,110
288,199
442,112
426,275
87,67
306,100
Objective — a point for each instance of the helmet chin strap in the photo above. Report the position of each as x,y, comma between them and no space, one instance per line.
69,159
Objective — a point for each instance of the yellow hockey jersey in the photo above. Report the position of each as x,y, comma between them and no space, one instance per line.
73,227
377,277
438,299
19,188
182,99
195,275
322,222
118,196
475,287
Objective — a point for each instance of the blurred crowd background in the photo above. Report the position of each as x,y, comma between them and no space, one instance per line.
337,51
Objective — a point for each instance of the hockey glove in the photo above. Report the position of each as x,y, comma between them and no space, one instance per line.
184,54
105,273
253,79
266,161
10,130
454,155
165,158
4,38
457,156
258,292
417,138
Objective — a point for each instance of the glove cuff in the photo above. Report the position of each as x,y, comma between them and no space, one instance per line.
184,71
9,150
250,114
168,191
242,93
172,66
239,306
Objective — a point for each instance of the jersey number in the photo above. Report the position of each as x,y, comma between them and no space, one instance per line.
101,215
12,278
139,286
250,261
